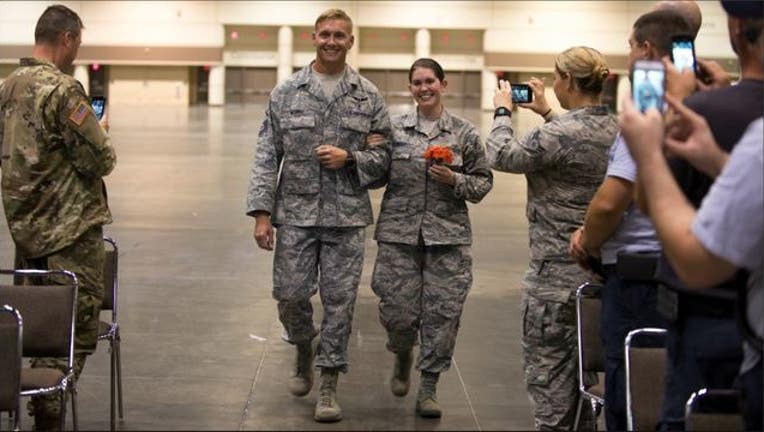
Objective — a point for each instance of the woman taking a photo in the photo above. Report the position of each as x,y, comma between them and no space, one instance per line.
564,161
424,265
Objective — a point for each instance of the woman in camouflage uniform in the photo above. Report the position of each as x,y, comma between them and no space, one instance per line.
564,161
424,266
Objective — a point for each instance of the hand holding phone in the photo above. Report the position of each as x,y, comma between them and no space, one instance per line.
683,53
648,84
521,93
98,103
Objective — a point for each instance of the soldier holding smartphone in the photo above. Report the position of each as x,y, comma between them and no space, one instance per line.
55,155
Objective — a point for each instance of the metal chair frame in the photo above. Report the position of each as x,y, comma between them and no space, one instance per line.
67,384
14,419
111,333
595,401
734,421
628,342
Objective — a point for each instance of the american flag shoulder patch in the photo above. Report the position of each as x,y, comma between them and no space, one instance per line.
79,113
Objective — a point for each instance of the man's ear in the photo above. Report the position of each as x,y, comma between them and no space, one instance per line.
649,51
68,38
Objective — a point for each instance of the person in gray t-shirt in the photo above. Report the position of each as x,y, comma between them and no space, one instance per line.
726,232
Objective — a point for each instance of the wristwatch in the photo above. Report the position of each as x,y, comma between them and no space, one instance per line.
502,111
350,160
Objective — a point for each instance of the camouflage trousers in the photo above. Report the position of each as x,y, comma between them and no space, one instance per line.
85,257
550,345
422,290
327,260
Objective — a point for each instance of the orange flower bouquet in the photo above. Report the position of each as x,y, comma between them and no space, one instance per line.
439,154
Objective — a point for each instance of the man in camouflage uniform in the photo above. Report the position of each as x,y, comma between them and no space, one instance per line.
564,161
308,179
55,154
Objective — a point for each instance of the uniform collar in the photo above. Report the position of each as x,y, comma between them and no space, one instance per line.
36,61
350,80
445,122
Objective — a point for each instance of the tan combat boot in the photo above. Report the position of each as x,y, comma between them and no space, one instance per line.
302,380
400,381
327,408
426,404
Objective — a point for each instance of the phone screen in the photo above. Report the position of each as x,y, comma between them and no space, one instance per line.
98,104
683,54
647,87
521,93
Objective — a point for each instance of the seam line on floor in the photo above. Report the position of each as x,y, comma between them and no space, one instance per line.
466,394
251,395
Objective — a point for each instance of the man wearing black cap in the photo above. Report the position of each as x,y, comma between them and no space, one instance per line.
704,342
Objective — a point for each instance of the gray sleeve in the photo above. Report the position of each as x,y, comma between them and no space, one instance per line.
520,155
261,195
476,180
372,163
728,223
621,164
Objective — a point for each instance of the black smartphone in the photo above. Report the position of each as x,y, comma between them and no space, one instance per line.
521,93
648,84
683,53
98,103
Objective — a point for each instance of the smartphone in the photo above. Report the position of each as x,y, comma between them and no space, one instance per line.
99,106
683,53
521,93
648,84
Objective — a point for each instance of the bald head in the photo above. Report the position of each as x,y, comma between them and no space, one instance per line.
688,9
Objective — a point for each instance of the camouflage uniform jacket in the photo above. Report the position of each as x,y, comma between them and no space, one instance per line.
55,154
564,161
287,179
413,202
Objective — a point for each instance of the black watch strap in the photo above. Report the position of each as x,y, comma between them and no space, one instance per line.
501,112
350,160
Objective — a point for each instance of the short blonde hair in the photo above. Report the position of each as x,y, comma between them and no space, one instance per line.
586,65
334,14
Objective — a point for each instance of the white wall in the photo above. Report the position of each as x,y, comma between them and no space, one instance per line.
545,27
511,26
148,85
122,23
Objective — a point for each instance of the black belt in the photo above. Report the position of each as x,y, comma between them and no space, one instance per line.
637,266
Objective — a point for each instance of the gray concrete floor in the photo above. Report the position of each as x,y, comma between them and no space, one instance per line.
201,340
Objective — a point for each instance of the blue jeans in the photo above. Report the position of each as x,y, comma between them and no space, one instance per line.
626,305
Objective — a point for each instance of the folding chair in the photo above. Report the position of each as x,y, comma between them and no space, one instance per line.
590,356
49,314
11,336
645,354
714,410
110,330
